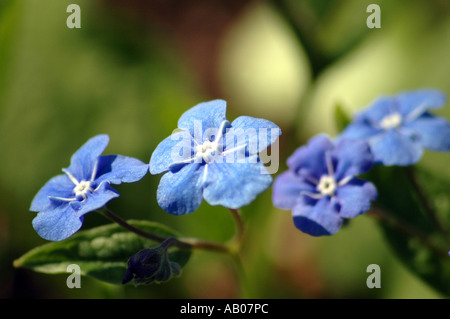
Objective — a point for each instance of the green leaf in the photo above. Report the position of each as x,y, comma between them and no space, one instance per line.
341,117
424,253
101,252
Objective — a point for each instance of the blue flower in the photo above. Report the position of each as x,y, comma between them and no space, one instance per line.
207,157
398,128
152,265
64,200
320,186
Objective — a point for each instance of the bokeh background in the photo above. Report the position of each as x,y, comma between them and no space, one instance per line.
135,66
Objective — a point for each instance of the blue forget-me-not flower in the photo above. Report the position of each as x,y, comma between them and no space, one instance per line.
320,186
398,128
209,158
84,187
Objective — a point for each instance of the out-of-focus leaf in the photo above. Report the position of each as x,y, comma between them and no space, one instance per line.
101,252
407,215
341,117
8,26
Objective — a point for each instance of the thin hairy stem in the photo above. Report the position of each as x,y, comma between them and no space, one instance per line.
182,243
426,204
407,230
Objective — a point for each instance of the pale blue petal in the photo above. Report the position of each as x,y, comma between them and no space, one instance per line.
355,197
317,217
256,133
414,103
176,148
181,192
96,200
57,224
207,115
310,159
116,169
358,130
58,186
377,110
84,160
353,158
234,185
431,132
394,148
286,189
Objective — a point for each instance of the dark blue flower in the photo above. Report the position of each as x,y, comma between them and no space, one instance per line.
212,159
320,186
398,128
64,200
152,265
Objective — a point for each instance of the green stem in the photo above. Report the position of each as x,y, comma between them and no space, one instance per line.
426,204
182,243
186,243
240,228
407,230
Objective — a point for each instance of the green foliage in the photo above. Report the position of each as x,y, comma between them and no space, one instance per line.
342,118
101,252
416,231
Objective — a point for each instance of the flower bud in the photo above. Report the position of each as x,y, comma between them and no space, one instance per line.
152,265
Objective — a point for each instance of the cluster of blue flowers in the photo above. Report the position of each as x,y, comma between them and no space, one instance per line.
208,157
321,187
213,159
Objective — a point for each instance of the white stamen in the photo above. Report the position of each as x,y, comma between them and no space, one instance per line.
391,121
329,164
312,195
208,149
63,199
345,180
237,148
73,179
205,173
94,171
327,185
82,188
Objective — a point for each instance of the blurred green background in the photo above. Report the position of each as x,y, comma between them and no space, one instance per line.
135,66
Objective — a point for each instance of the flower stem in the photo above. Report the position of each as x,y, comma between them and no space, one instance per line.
182,243
426,204
240,228
406,230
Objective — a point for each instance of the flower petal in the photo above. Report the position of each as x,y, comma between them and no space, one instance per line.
57,224
256,133
207,114
84,160
377,110
355,197
310,159
181,192
96,200
234,185
358,130
58,186
394,148
353,158
116,169
317,217
413,104
176,148
286,189
432,132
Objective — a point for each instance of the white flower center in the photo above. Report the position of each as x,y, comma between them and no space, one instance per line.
82,188
327,185
391,121
207,151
